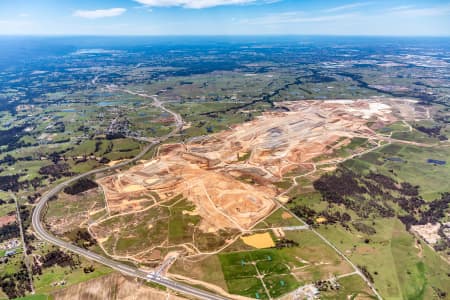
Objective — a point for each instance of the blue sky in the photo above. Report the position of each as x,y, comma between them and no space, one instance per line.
224,17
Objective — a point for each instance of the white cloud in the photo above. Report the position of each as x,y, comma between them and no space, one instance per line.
195,3
99,13
296,17
348,6
412,11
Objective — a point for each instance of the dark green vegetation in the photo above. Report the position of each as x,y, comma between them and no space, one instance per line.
369,204
408,163
80,186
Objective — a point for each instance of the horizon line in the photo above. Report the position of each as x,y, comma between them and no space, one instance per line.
221,35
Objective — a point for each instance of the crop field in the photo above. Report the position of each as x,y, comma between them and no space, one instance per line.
241,271
279,270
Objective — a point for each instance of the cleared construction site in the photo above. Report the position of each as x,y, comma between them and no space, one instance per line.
229,177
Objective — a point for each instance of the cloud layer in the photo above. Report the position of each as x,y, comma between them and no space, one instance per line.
348,6
192,3
99,13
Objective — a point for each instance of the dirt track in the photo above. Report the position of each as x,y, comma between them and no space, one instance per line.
229,175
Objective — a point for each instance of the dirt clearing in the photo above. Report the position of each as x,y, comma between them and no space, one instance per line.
259,240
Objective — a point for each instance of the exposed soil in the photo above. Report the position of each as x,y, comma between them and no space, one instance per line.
4,220
230,176
112,287
259,240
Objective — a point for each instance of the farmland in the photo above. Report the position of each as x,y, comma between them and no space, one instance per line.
350,140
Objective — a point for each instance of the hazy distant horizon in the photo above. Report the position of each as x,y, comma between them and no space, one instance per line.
225,17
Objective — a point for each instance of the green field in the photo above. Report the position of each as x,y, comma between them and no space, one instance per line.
350,287
133,231
279,219
206,269
309,261
35,297
400,270
181,223
432,179
45,283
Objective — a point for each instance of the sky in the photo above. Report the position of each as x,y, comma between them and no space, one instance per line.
225,17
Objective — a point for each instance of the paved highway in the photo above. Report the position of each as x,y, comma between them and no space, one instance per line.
43,234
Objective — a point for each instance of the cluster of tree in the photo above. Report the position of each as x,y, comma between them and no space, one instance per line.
97,146
285,243
80,186
11,137
366,273
25,217
56,170
440,293
57,127
89,269
432,132
32,197
375,193
17,284
420,212
364,228
444,243
310,215
114,136
327,285
337,186
437,210
305,212
36,268
12,183
369,194
10,201
8,159
9,231
60,258
83,239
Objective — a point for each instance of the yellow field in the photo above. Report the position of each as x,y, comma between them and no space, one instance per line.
259,240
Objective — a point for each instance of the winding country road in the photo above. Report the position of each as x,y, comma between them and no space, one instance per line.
43,234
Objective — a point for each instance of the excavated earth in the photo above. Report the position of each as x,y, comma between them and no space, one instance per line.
229,176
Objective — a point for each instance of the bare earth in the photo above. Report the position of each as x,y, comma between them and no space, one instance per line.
112,287
4,220
259,240
229,176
